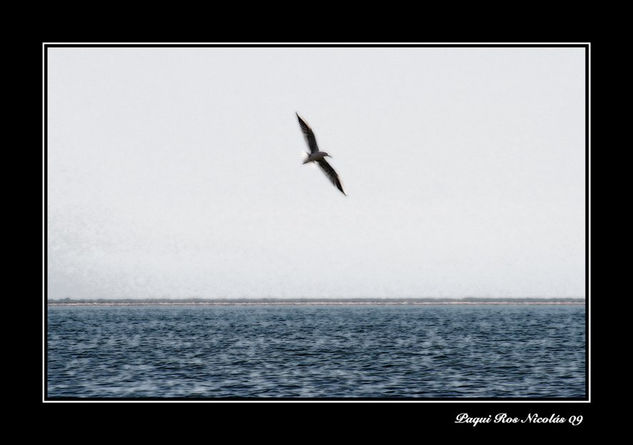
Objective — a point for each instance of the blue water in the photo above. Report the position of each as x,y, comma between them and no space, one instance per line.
391,352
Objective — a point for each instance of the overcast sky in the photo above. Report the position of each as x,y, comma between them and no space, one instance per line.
176,172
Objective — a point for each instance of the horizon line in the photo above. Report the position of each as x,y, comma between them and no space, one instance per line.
315,300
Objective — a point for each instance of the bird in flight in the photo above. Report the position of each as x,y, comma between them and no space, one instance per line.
318,156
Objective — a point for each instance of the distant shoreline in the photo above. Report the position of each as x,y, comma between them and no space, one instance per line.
317,301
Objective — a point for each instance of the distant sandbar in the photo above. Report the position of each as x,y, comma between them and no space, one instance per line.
312,301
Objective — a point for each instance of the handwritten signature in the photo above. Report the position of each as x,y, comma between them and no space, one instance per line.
505,418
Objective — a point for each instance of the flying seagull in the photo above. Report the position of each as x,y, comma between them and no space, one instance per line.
318,156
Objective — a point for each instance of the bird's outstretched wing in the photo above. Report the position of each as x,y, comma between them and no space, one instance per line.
308,135
330,173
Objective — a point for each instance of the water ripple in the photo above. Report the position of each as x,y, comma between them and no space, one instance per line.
317,352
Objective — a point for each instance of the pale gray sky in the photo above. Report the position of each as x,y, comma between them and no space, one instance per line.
176,172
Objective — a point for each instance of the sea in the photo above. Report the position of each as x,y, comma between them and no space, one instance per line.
338,352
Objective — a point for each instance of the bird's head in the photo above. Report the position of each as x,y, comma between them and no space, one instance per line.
326,155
